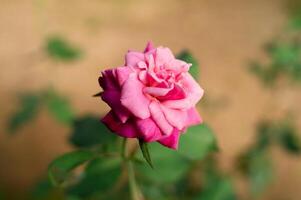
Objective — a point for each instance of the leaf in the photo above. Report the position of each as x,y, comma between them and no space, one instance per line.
88,131
170,166
59,107
186,56
289,140
100,176
197,142
295,21
59,49
220,189
60,168
26,112
145,152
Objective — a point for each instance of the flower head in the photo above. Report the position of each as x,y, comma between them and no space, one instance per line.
152,97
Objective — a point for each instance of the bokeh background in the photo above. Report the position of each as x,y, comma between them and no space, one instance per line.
224,36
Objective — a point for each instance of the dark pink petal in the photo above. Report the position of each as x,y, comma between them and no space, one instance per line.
176,93
172,141
148,130
159,118
133,98
108,80
112,98
149,47
127,129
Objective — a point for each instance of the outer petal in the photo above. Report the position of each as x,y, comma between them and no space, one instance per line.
127,130
171,141
149,47
132,58
148,130
177,118
122,74
108,80
193,117
193,94
112,98
159,118
133,98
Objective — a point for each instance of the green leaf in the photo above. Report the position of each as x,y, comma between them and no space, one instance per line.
295,21
145,152
186,56
89,131
197,142
59,107
59,169
59,49
170,166
26,112
100,176
220,189
289,140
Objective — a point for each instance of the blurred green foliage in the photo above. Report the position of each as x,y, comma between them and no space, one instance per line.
256,162
30,103
59,49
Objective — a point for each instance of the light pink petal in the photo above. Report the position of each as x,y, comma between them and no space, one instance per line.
156,91
122,74
177,118
193,94
172,141
193,118
133,98
159,118
132,58
149,47
148,130
127,130
163,56
112,98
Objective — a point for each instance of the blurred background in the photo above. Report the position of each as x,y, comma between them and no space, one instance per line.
250,68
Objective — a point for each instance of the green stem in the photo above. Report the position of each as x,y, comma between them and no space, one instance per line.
134,189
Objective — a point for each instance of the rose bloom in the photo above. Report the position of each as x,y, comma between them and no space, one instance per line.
152,97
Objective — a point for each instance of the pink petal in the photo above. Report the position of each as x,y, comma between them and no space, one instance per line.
159,118
132,58
163,56
122,74
156,91
193,118
133,98
148,130
127,130
172,141
174,94
112,98
149,47
177,118
193,94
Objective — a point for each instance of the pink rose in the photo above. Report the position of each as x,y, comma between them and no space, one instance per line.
152,97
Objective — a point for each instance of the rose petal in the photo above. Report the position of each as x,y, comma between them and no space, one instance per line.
174,94
133,98
159,118
193,118
156,91
133,57
112,98
148,130
122,74
127,129
177,118
149,47
163,56
172,141
193,94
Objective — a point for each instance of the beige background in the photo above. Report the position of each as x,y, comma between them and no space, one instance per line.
223,34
